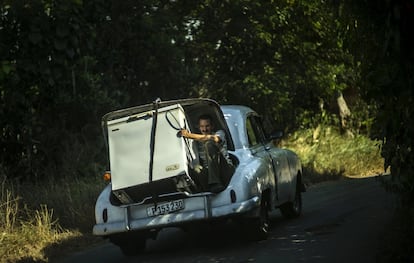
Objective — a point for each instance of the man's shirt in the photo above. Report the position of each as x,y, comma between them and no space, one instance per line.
222,145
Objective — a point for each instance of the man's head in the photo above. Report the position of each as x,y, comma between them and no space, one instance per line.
205,124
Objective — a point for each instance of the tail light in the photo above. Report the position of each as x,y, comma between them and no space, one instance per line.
107,176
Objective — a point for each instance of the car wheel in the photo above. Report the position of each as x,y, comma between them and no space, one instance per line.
293,209
130,246
259,227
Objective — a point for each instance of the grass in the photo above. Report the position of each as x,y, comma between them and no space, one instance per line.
41,220
326,154
72,200
31,222
24,232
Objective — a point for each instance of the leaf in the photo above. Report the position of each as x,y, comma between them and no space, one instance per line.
35,37
70,52
51,81
62,30
74,40
6,67
60,44
78,2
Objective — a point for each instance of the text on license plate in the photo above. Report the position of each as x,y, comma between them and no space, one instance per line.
165,208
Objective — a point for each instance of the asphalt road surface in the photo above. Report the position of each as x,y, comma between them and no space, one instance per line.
342,221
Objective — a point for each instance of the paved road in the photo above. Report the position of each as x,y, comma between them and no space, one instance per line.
342,221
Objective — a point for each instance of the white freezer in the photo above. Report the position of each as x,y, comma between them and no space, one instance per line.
129,147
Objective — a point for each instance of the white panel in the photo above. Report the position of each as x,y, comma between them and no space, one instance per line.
129,148
170,153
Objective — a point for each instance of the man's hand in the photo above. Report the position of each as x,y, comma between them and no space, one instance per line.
184,133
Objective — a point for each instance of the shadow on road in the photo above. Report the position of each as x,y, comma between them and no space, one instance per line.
215,242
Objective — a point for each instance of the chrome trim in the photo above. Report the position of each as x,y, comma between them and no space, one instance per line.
127,218
177,195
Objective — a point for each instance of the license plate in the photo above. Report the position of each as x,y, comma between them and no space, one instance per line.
165,208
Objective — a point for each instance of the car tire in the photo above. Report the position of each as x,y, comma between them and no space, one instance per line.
293,209
259,227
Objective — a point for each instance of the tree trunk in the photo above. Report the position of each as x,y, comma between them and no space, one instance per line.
344,113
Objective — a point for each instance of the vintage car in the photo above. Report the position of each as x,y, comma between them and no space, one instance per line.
152,185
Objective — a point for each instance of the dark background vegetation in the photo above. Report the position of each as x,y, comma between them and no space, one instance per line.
64,63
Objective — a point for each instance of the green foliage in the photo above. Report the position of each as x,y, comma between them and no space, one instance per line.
389,82
143,54
282,58
325,153
48,91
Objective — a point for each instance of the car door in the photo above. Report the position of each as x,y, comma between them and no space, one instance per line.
255,137
278,160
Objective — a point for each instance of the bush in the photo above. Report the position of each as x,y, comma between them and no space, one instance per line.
325,153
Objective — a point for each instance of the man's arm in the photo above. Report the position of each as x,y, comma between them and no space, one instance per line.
200,137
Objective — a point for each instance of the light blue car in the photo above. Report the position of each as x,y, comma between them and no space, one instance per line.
152,183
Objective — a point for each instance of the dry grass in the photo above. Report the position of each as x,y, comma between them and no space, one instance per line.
72,199
30,228
24,233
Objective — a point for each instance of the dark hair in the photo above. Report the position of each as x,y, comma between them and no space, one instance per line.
205,117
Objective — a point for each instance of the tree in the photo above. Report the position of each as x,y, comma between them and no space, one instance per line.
281,58
142,54
46,83
391,85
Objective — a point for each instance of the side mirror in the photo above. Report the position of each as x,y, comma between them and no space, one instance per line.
276,135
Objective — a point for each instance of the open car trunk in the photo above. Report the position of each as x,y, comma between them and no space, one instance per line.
147,159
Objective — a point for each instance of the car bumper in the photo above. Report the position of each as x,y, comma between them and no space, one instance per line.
204,212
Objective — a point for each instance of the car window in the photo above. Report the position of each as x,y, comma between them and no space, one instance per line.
251,132
259,128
